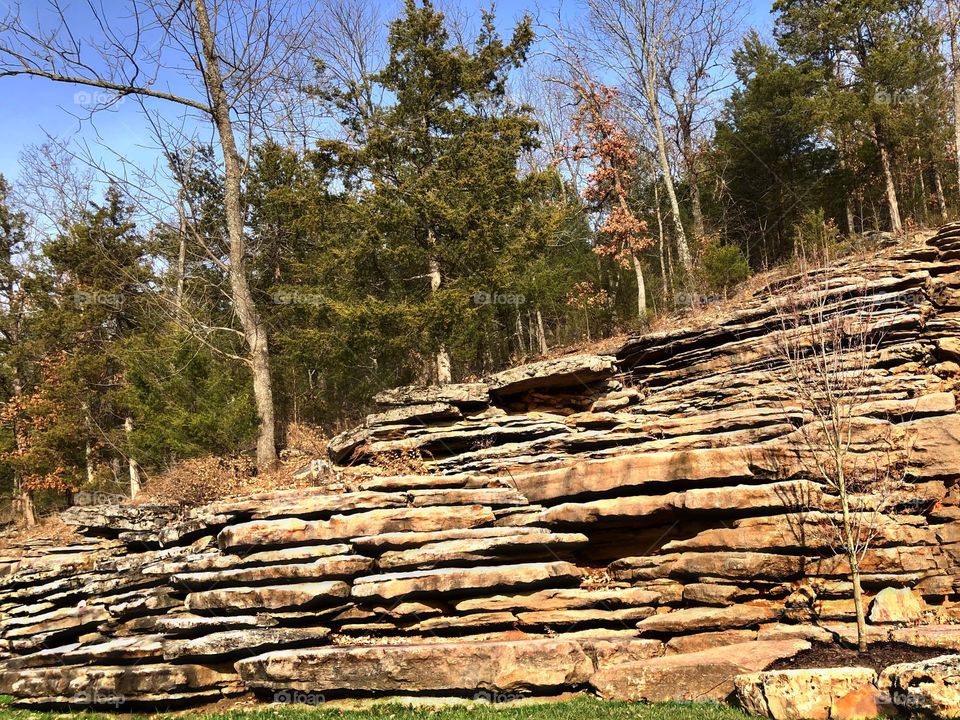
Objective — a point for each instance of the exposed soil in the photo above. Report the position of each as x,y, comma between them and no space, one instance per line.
878,656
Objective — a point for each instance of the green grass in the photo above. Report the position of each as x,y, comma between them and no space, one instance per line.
581,708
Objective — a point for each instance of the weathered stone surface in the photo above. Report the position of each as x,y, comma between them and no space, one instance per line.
453,580
376,544
473,551
455,394
79,684
728,565
587,617
933,636
699,676
308,502
689,620
459,667
278,597
635,471
567,599
570,371
57,620
930,687
708,640
344,527
801,694
327,568
246,641
416,412
896,605
681,459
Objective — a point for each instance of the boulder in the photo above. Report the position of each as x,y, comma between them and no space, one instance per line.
896,605
805,694
698,676
459,667
930,687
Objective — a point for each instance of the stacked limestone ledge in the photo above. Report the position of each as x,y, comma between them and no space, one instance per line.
641,525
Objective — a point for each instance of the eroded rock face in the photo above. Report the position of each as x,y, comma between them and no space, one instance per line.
930,687
448,667
896,605
637,523
696,676
819,694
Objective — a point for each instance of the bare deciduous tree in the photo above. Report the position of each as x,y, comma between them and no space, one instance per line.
828,343
224,64
636,35
694,73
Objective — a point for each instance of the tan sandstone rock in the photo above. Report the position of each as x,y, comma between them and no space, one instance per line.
451,580
896,605
930,687
801,694
699,676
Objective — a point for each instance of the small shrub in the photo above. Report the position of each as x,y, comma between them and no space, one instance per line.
723,267
816,239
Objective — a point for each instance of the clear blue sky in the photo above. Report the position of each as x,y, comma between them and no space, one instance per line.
34,108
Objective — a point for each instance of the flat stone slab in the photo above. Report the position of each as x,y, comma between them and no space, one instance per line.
699,676
452,580
436,667
343,527
78,682
246,641
695,619
570,371
565,599
481,550
277,597
328,568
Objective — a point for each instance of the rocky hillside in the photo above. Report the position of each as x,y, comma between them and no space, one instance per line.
604,522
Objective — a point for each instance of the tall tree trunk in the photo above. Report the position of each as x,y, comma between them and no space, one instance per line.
254,331
842,146
23,501
924,210
541,335
896,226
953,19
181,259
938,185
135,481
693,180
444,374
854,561
641,287
660,237
683,249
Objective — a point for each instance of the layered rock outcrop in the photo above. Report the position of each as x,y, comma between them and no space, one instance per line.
602,522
